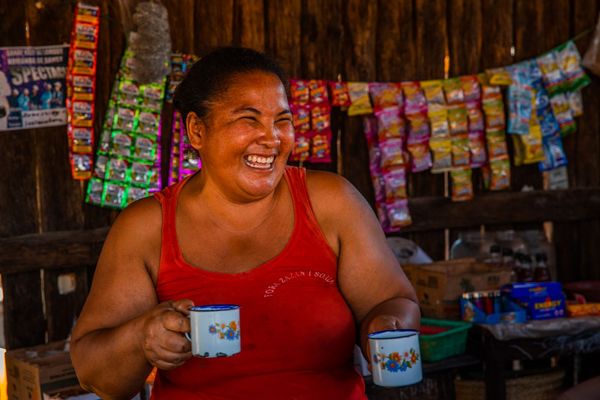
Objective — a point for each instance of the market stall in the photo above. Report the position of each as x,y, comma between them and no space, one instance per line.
470,128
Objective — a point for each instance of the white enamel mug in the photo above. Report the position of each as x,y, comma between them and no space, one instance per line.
395,357
215,330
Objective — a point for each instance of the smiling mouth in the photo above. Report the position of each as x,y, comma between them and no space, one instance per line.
259,162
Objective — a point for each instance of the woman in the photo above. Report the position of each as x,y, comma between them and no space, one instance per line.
301,253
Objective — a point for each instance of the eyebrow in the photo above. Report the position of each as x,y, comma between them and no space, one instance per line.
255,111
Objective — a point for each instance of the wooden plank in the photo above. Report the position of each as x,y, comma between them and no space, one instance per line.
18,210
465,29
181,22
395,57
24,323
284,34
431,42
249,24
497,35
59,196
213,25
579,204
360,27
63,308
51,250
587,144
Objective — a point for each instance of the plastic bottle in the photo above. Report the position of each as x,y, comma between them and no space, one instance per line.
526,269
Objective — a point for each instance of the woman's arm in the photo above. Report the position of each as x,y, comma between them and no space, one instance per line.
122,331
369,276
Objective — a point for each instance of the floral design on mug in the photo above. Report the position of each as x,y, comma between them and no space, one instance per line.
230,331
395,361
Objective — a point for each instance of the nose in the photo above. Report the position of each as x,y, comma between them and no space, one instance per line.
270,137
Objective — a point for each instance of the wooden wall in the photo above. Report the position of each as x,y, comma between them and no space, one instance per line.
366,40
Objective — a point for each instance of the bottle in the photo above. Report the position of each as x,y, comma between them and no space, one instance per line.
526,269
541,273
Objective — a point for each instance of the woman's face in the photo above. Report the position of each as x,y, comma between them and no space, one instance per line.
247,136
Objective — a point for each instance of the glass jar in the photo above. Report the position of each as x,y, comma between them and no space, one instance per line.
472,245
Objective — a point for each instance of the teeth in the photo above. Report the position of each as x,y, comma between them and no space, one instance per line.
261,160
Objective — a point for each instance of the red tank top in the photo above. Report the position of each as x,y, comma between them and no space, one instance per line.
297,331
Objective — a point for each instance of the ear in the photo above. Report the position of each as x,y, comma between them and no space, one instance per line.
196,130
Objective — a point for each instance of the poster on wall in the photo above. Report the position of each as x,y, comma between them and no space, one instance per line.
32,87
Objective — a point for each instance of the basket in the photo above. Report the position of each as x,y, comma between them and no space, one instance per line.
445,344
545,386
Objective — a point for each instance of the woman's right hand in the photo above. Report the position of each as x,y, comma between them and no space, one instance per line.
162,335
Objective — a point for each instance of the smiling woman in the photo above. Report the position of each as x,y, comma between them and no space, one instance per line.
246,230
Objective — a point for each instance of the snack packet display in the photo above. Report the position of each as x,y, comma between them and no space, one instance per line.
554,152
434,93
386,95
441,150
520,99
81,88
576,103
470,87
462,185
458,119
453,91
359,99
129,157
320,117
301,151
498,77
554,79
395,183
496,175
461,153
477,149
301,116
392,153
339,94
496,143
180,65
562,111
420,157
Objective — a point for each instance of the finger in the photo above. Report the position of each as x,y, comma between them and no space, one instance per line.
170,357
176,322
165,365
176,343
183,305
384,322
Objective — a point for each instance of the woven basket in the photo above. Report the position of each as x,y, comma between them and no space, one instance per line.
545,386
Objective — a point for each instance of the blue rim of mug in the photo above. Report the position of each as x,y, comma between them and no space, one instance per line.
215,307
413,331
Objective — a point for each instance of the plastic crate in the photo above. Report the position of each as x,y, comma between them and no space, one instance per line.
445,344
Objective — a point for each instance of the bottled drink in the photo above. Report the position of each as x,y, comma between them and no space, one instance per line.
541,272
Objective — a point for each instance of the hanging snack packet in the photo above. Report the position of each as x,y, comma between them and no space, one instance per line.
94,191
414,99
439,125
359,97
494,114
152,96
434,93
554,152
498,77
129,93
390,124
385,95
83,114
576,103
477,149
134,194
86,36
321,147
398,214
499,174
533,150
117,170
81,166
462,185
392,153
84,62
125,118
121,144
453,90
496,143
320,117
140,173
548,123
420,157
554,80
144,148
100,167
395,183
519,101
114,195
418,125
299,91
457,119
442,154
148,123
81,139
301,150
475,116
339,94
301,117
562,111
461,155
569,61
83,87
556,179
318,91
470,88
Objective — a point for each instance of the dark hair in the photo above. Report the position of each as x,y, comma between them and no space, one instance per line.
210,76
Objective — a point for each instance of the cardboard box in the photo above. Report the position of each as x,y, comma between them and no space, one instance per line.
508,313
35,370
440,285
542,300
